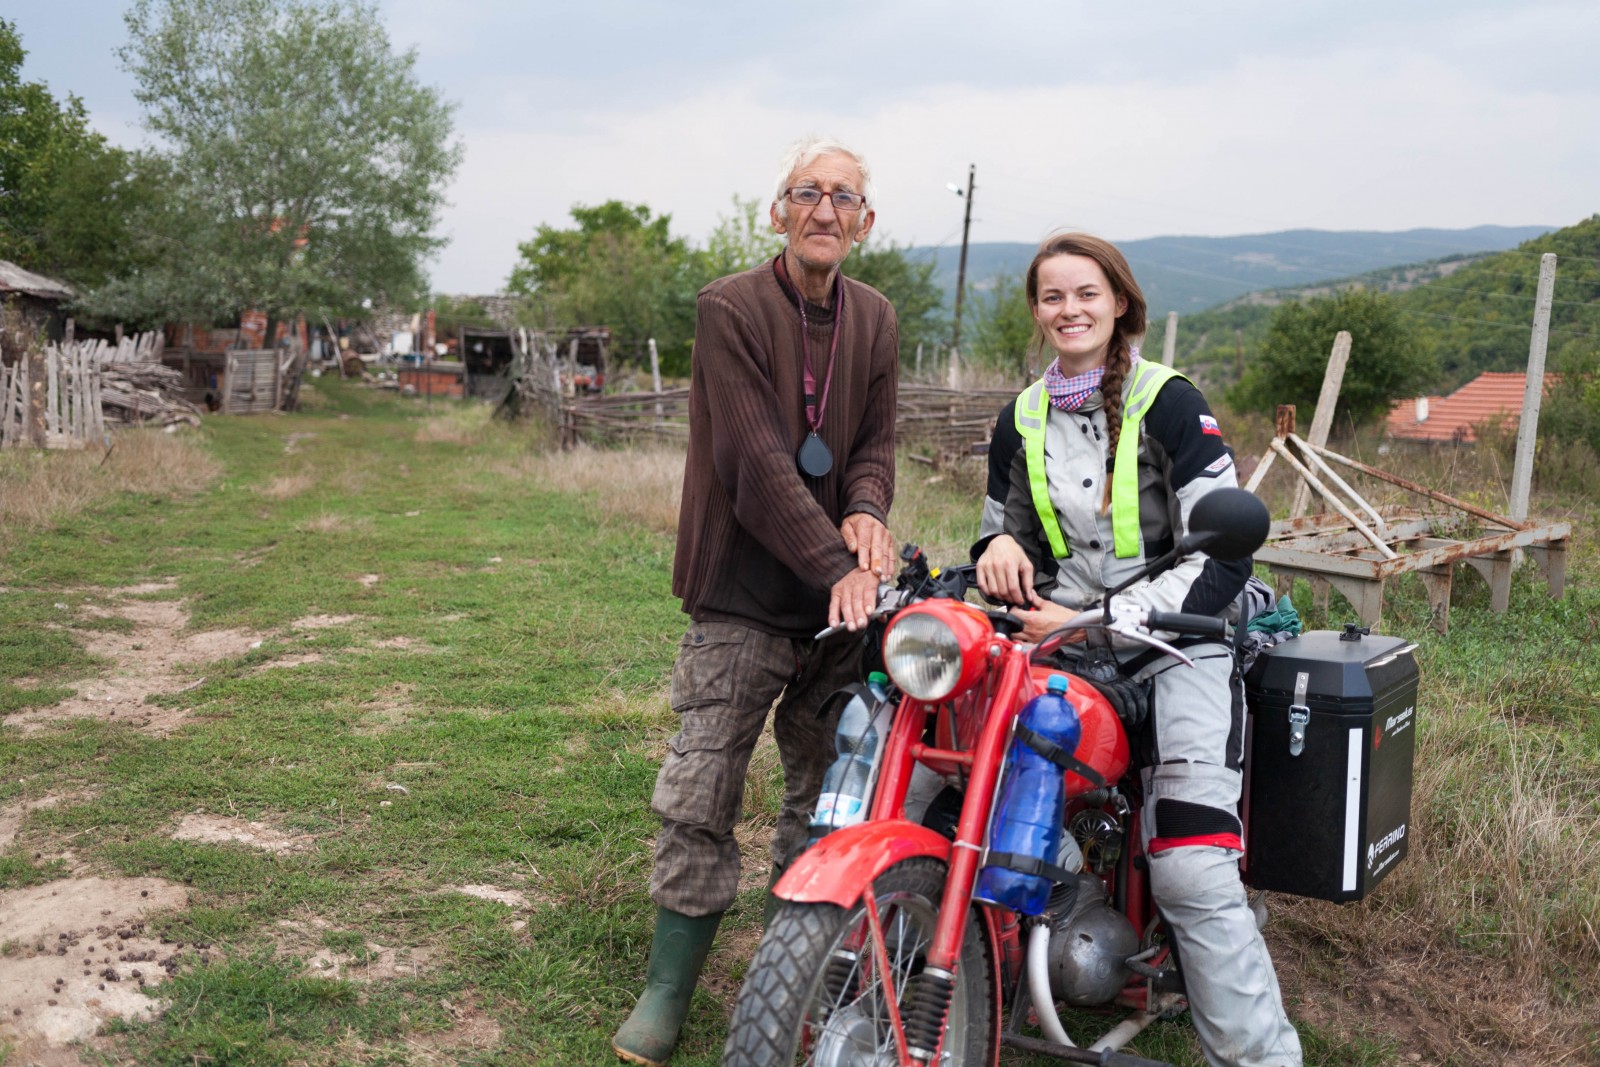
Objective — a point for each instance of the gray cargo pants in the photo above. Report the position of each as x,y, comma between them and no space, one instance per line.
1192,796
725,680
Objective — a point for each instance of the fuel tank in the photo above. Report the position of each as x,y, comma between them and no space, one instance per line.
1104,745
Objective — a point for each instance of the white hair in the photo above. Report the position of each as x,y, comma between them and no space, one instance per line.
807,149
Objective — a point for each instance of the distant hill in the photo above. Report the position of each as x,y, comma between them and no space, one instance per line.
1474,312
1188,274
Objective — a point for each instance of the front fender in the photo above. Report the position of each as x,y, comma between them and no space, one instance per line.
838,869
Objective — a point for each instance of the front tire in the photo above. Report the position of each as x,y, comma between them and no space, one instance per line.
815,995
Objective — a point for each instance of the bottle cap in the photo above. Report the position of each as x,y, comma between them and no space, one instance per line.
879,677
1056,684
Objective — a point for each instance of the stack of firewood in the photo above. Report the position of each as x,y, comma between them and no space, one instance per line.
142,393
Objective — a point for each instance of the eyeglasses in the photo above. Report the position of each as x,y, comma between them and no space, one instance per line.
810,196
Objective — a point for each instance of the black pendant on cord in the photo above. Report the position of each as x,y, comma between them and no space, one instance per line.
814,457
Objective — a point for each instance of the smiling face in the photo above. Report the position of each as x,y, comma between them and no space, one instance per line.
1077,311
820,237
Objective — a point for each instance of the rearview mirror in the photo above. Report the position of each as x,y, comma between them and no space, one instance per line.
1226,524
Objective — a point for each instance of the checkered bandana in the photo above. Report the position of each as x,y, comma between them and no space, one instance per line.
1068,394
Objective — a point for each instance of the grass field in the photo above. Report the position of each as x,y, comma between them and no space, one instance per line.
371,698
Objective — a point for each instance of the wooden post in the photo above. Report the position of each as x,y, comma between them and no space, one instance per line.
56,404
1322,421
1533,390
1169,346
961,271
919,361
655,382
33,422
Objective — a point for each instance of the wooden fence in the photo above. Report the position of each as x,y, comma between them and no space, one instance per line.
69,380
938,424
63,395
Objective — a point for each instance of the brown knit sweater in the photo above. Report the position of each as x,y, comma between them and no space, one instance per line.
759,542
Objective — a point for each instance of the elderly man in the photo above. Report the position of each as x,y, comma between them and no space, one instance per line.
786,494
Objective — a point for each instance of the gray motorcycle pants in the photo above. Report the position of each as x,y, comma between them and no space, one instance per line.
1195,785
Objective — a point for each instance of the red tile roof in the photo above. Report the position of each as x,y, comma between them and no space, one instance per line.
1491,396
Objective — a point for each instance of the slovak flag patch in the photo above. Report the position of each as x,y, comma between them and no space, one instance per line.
1209,425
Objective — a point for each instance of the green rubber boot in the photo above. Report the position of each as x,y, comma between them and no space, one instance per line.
771,904
677,953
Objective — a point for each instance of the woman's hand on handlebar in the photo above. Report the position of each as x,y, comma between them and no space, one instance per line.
1006,574
1045,618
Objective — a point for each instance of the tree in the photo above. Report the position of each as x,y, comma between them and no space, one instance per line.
1571,412
65,195
740,241
305,165
619,267
909,285
1002,329
1386,363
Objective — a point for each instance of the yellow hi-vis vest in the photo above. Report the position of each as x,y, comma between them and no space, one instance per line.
1032,407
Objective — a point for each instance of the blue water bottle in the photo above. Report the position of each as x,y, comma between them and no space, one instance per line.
846,788
1027,820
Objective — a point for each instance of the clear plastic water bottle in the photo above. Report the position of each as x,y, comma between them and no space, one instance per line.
846,788
1027,820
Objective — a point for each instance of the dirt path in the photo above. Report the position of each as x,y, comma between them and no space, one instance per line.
73,953
76,953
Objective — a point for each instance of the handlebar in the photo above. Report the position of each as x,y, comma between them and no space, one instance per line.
1186,623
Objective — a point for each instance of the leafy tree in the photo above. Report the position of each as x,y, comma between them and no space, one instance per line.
64,193
1001,331
740,241
1571,412
909,285
1386,363
306,165
619,267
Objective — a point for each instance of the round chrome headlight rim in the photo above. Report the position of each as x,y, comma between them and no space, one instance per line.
922,653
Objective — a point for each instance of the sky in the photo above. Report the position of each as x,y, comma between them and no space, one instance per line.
1128,120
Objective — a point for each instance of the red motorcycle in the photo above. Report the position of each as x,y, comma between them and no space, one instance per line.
882,952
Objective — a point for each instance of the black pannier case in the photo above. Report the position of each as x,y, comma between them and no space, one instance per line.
1333,727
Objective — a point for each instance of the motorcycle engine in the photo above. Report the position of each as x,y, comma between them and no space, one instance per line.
1089,944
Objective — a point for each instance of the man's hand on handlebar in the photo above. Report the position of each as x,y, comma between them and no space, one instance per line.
854,599
1006,574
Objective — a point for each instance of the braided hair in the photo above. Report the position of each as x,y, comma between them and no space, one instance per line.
1129,325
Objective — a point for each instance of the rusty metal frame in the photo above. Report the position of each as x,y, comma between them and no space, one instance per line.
1357,555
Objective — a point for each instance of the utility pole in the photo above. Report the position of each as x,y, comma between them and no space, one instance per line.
961,271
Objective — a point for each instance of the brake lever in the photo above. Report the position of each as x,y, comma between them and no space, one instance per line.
889,601
1129,627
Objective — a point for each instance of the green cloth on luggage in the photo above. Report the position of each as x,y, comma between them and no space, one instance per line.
1281,619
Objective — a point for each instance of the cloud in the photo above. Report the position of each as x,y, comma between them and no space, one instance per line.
1371,138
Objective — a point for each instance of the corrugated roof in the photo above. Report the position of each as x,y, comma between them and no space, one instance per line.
13,279
1490,396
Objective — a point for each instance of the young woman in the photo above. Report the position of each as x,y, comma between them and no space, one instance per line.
1094,470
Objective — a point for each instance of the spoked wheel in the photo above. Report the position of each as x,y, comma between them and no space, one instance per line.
827,984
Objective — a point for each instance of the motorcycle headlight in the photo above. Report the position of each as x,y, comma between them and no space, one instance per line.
936,649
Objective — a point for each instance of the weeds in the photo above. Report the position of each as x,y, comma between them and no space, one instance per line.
39,490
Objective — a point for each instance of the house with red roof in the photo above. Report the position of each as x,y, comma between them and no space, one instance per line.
1492,397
